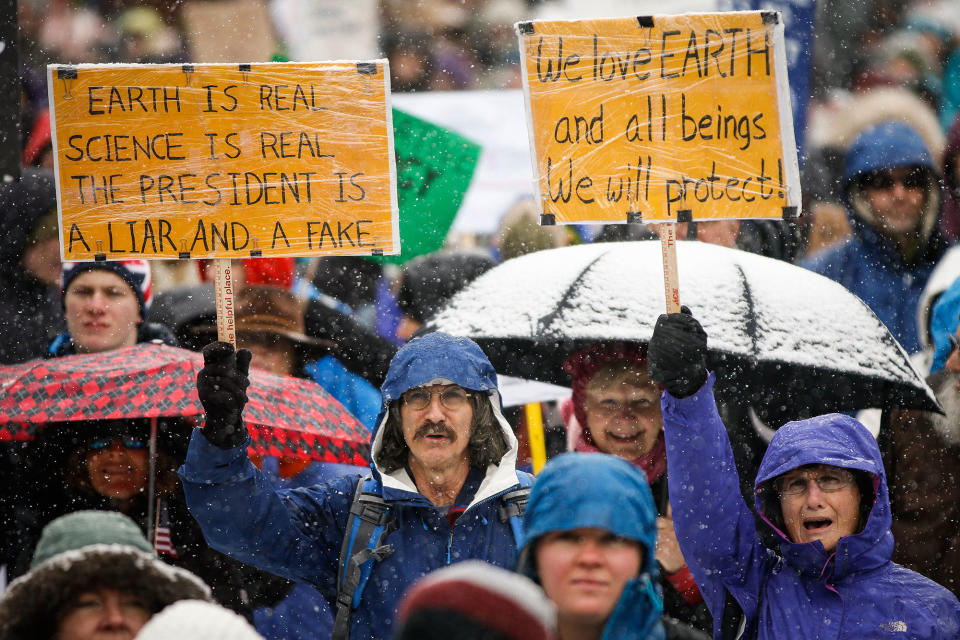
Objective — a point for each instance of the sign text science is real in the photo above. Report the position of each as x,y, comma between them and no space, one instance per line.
218,160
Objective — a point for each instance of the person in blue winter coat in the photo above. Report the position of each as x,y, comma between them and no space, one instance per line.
892,191
443,458
820,487
590,538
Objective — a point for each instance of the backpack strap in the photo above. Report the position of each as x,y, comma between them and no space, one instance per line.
368,523
514,504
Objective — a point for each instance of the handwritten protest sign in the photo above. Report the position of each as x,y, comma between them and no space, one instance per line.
224,160
665,118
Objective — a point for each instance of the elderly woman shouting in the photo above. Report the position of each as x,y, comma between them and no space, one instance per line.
820,487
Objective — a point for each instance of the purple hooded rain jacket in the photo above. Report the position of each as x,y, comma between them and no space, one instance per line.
802,591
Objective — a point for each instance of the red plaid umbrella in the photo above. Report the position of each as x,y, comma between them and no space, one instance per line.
285,416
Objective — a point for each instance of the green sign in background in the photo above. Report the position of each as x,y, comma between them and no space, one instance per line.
434,168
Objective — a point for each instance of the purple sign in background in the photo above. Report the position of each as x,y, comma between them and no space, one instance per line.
798,21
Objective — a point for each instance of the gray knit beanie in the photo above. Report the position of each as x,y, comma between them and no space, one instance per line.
83,528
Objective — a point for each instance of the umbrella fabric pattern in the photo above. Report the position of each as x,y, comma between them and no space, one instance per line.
285,416
775,330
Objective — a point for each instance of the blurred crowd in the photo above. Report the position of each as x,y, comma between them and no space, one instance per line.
880,174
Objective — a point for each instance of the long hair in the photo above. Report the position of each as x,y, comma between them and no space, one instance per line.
487,443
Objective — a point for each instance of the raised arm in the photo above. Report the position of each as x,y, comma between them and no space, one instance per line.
295,534
715,528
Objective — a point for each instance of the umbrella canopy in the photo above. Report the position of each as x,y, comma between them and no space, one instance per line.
777,332
285,416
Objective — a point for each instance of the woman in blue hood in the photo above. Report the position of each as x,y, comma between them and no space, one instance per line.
820,488
590,537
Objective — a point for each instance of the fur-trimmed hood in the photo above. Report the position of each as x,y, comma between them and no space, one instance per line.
889,145
31,606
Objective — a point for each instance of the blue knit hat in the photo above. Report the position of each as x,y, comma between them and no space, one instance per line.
136,273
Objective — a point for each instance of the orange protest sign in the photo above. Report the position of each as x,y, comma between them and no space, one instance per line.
224,160
660,118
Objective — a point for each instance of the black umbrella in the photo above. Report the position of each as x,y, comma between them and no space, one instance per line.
777,332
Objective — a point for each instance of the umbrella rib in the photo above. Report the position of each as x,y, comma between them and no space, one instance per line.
751,317
545,321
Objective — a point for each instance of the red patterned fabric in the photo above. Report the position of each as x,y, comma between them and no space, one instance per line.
286,417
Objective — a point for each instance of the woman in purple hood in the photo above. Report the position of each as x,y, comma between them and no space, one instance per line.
820,487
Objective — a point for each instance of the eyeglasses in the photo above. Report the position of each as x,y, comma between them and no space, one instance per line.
884,180
613,407
828,481
954,343
452,398
128,442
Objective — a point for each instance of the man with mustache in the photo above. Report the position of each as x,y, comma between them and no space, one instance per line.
443,458
923,465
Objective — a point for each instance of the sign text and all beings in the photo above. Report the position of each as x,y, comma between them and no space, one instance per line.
660,117
224,160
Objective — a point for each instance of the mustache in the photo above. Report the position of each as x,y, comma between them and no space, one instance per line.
433,428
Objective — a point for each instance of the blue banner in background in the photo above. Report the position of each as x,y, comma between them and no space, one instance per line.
798,21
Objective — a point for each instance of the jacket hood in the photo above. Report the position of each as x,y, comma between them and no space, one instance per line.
840,441
943,324
886,146
439,358
23,203
941,279
597,490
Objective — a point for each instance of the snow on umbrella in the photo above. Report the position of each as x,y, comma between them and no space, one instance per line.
775,330
285,416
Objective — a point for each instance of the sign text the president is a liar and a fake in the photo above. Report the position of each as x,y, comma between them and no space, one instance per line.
224,160
641,118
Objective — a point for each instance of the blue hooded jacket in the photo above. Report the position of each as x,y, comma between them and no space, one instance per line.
298,533
597,490
869,264
802,591
944,318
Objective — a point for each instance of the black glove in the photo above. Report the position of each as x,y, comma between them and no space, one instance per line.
677,354
222,386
